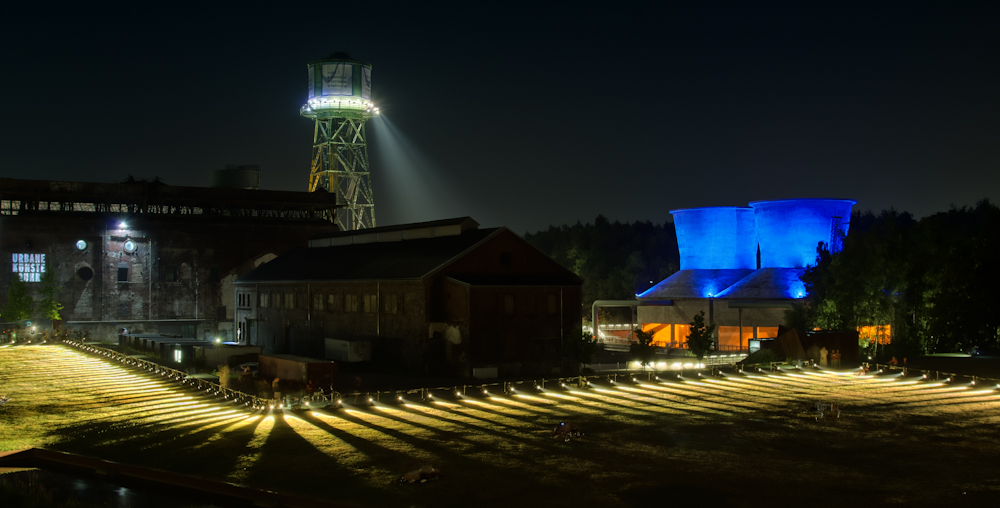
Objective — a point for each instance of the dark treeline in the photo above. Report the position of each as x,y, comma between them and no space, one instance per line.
616,260
934,281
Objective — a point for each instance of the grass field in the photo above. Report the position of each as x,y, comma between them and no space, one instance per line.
729,441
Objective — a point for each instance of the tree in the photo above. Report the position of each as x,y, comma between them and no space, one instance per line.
615,260
49,306
642,350
580,351
700,340
19,306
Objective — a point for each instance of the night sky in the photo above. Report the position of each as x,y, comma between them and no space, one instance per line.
525,116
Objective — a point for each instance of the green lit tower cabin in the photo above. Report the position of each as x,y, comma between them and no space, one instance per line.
340,101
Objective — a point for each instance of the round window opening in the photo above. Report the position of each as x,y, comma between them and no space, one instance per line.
130,246
80,245
85,273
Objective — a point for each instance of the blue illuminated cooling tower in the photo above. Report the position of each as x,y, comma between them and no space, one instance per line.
790,229
716,238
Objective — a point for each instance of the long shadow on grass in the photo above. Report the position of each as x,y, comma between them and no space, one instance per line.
509,436
598,398
716,396
666,393
362,445
411,440
287,460
668,404
558,408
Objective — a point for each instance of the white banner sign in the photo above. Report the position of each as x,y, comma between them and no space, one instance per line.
29,267
366,83
338,79
312,82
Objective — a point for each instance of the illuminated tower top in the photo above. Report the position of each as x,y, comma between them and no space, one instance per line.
339,100
339,87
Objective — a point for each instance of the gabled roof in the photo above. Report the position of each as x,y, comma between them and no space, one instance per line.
395,260
461,223
520,279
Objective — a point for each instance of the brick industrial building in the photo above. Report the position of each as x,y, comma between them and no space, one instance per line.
441,297
148,256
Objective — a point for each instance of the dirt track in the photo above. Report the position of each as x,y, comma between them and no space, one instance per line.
730,441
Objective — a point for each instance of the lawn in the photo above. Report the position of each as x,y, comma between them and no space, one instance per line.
737,440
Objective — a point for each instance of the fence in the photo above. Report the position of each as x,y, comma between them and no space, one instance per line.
610,372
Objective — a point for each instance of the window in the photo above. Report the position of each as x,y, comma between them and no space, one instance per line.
289,300
508,305
276,300
263,300
553,304
390,303
371,303
122,274
318,301
350,303
333,303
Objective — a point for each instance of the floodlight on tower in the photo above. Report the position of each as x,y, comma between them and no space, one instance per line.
340,102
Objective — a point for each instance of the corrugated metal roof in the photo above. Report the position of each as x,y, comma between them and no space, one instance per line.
406,259
521,279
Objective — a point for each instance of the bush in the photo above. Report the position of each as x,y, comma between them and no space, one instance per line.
760,356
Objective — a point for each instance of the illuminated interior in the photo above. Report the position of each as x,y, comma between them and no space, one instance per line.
767,332
880,334
661,333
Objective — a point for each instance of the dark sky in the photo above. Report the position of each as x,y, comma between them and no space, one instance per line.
525,116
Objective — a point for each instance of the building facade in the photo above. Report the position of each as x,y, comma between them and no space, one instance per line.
146,256
439,297
742,267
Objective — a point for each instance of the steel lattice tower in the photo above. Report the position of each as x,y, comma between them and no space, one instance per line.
340,103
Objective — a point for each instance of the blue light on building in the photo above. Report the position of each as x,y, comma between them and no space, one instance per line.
716,238
789,230
718,248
